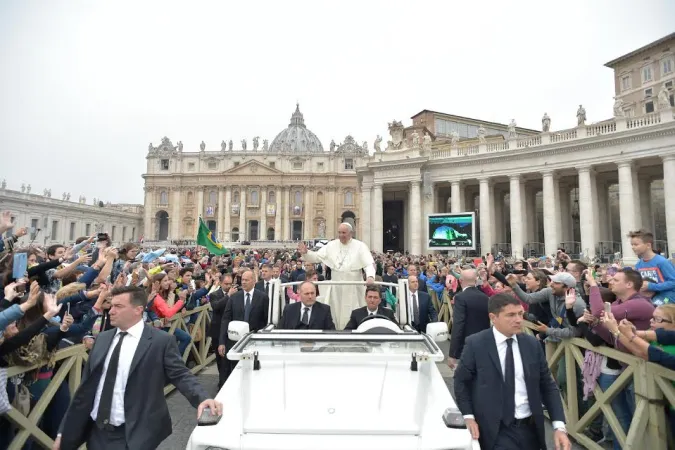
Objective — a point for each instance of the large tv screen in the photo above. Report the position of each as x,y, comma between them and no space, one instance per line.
451,231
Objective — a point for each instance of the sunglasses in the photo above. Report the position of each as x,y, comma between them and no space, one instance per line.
660,320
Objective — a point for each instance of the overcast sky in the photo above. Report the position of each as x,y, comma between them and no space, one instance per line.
86,85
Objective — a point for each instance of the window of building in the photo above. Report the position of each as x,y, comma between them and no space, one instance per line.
648,92
212,165
625,82
235,197
236,163
319,197
235,234
164,164
213,198
646,74
667,66
254,197
349,164
298,198
297,165
113,233
55,229
191,166
669,85
271,196
124,234
71,232
649,107
190,197
272,164
163,198
349,198
133,233
628,112
87,229
319,166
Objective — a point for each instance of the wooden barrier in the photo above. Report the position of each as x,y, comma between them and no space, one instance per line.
71,362
653,386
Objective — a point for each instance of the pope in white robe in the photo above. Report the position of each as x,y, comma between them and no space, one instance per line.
346,257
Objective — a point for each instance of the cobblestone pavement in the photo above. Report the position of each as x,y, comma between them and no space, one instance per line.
183,415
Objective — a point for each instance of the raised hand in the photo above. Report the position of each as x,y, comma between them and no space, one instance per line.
570,297
302,248
67,322
33,295
49,306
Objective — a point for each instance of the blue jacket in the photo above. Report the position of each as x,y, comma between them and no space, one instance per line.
662,270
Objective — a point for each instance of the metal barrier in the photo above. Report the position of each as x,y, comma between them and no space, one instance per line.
654,391
72,360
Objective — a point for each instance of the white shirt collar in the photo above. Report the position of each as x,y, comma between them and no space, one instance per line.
302,307
500,338
372,312
249,292
135,330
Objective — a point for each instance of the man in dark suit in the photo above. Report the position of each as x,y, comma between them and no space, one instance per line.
265,283
470,314
421,309
390,277
248,305
501,381
134,360
218,300
307,314
412,271
373,306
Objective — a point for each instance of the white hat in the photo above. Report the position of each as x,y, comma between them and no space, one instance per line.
564,278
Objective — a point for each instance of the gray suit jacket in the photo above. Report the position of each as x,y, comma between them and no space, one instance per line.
147,419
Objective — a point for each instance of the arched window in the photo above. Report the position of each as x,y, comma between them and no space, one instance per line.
319,197
213,198
298,198
349,198
254,197
235,197
163,198
271,197
190,197
234,236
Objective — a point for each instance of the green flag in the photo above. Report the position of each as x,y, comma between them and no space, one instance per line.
205,238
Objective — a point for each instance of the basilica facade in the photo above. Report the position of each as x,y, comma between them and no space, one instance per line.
289,189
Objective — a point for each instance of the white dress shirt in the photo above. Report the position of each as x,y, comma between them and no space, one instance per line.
309,313
370,313
521,401
129,345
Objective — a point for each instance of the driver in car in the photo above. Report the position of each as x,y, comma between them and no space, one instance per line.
373,307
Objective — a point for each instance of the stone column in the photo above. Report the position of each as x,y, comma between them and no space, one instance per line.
428,206
456,197
308,232
485,216
243,232
645,189
175,232
515,192
414,219
220,232
564,213
627,210
331,220
263,214
366,211
637,201
669,197
498,208
287,213
148,234
376,219
551,223
277,215
604,223
227,227
200,201
587,210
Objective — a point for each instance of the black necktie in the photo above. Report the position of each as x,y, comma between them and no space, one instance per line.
416,310
509,411
305,316
247,307
267,287
105,402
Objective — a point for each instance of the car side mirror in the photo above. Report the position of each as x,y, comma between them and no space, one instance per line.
237,330
438,331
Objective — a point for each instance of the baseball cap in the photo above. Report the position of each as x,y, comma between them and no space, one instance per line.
564,278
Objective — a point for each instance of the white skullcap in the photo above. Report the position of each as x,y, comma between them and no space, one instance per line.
348,225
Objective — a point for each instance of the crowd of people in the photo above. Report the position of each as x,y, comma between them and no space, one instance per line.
64,294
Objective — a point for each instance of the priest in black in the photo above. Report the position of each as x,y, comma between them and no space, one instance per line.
373,307
307,314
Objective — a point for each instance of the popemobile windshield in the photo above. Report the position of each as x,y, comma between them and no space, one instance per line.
376,387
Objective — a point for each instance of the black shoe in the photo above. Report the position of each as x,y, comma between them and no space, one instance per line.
596,436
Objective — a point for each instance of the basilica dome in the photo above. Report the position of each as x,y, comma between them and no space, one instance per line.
296,138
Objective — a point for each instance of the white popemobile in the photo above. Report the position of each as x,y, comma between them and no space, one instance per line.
376,387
